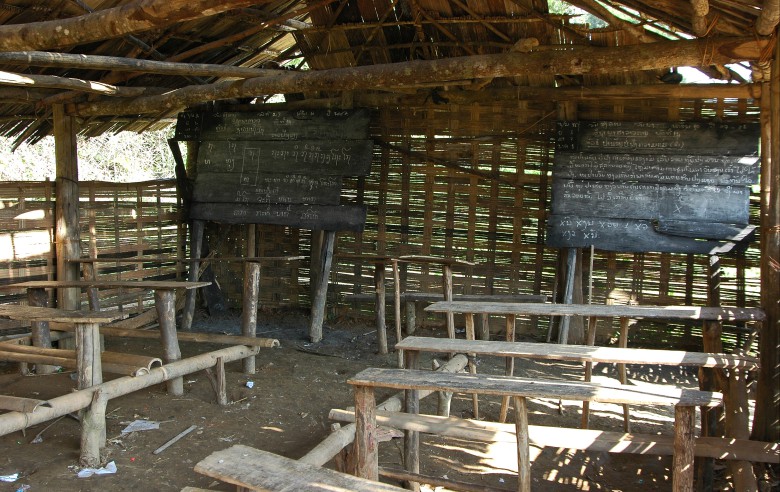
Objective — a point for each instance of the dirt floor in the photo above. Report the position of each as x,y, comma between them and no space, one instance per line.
286,412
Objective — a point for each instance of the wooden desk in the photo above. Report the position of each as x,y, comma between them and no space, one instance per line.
164,300
88,363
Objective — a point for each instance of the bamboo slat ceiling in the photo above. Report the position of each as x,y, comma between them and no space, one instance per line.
351,35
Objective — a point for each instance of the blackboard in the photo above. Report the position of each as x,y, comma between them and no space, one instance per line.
658,168
691,138
325,217
278,167
331,157
650,201
267,188
668,187
623,235
274,125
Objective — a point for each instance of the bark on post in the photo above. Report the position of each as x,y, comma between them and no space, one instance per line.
41,336
682,461
67,207
379,306
321,289
249,308
165,302
88,363
93,430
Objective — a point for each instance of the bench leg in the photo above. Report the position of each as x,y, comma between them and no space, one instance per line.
217,379
682,462
249,311
591,340
412,438
41,336
510,365
165,302
397,310
523,447
366,450
89,367
623,343
472,366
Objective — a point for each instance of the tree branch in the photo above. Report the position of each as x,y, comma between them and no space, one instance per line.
137,16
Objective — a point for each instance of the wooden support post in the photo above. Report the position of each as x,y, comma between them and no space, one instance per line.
523,446
571,261
737,426
622,376
321,289
93,297
379,306
315,260
484,326
472,366
67,207
510,365
397,306
88,363
165,302
366,450
447,286
93,430
41,336
411,317
196,245
766,422
591,340
682,462
412,438
217,379
249,308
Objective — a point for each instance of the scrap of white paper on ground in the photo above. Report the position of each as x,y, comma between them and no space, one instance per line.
141,425
109,469
9,478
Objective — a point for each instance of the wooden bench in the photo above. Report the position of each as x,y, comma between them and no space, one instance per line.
254,469
366,453
597,311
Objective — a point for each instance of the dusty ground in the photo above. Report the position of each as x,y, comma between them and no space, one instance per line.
286,411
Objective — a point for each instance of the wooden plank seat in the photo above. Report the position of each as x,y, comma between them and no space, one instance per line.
684,401
254,469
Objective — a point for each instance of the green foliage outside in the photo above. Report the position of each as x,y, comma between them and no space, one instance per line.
124,157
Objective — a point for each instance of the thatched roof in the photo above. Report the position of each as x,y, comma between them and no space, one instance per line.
369,52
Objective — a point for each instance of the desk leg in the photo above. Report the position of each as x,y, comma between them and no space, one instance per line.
623,343
249,312
447,285
365,447
472,366
592,323
165,301
412,438
93,430
737,426
510,365
379,305
41,336
196,240
88,364
682,462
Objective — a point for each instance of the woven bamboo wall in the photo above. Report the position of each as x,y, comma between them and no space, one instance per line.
116,219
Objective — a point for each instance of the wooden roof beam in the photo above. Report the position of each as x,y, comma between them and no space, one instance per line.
116,63
55,82
594,60
768,18
137,16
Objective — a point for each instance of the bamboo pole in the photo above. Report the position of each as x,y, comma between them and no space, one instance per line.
187,337
72,402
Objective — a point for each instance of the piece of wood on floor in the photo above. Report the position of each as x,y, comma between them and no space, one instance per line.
261,470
